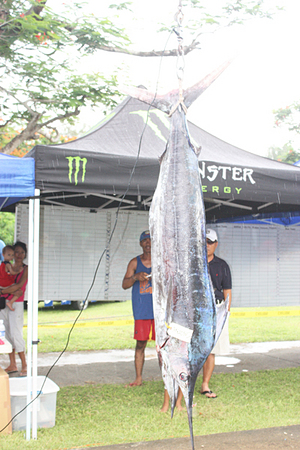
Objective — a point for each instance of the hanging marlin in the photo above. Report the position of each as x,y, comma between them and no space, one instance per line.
183,297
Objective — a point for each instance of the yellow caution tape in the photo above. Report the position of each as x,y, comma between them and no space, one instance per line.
122,322
272,313
102,323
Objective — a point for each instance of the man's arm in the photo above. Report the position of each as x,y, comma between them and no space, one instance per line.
227,281
131,276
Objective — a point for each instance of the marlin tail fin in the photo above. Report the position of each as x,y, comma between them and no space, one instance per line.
167,101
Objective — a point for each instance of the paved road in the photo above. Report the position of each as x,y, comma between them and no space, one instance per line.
116,366
280,438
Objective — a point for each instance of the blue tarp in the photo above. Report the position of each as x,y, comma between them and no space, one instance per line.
17,179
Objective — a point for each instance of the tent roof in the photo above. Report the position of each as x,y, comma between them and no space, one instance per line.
16,179
101,162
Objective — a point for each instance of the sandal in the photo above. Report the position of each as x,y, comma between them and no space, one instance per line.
208,392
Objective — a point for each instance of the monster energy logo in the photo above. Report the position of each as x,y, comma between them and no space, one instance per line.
147,119
78,162
146,116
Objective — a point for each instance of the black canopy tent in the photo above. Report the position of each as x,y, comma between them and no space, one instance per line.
94,170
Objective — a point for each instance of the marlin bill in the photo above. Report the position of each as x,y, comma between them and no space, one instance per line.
183,297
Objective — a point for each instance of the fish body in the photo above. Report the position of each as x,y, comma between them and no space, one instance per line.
182,289
183,296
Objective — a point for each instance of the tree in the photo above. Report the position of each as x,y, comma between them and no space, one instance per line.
9,134
288,118
285,154
37,85
38,46
7,227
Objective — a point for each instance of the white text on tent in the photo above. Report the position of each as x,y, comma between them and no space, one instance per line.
236,173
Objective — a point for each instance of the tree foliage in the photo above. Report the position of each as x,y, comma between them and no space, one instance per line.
288,118
208,17
10,133
285,154
38,50
38,86
7,227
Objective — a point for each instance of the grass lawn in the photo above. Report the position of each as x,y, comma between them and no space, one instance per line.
96,415
259,329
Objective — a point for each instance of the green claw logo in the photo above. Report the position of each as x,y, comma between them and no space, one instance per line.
78,161
161,115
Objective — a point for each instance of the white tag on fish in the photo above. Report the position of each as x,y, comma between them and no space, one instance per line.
180,332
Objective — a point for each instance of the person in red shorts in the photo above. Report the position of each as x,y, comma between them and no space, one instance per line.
138,276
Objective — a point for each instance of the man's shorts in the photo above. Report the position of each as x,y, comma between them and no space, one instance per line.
144,330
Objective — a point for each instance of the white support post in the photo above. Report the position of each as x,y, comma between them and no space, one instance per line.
29,316
32,313
36,240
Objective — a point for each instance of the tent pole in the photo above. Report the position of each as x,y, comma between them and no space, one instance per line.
3,204
29,316
36,240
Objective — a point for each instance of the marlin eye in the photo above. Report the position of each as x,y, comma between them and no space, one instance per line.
183,376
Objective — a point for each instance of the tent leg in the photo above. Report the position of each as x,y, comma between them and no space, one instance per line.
29,316
35,304
32,313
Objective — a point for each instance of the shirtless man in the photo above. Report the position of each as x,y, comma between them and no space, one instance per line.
138,276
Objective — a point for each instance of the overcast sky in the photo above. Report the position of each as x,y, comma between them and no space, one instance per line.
238,106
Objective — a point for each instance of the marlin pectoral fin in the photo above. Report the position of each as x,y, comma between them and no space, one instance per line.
163,154
222,313
198,150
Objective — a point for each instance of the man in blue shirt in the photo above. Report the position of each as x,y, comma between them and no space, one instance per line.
138,276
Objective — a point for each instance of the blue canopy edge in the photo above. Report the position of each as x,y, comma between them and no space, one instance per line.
17,179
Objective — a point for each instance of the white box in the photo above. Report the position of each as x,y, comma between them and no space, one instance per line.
6,347
46,402
5,413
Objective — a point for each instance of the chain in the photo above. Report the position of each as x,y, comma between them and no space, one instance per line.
180,58
180,51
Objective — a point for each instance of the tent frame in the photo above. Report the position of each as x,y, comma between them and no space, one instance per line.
32,314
